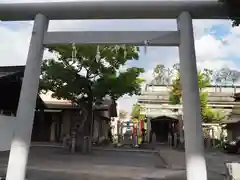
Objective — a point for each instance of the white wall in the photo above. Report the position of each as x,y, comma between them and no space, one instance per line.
114,125
6,131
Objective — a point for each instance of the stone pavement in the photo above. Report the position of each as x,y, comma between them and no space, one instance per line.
57,164
175,159
112,164
103,173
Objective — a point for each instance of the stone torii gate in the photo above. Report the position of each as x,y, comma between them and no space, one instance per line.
41,13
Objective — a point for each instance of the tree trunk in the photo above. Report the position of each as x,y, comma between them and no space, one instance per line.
87,145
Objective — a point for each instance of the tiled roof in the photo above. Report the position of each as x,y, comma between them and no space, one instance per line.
10,70
4,74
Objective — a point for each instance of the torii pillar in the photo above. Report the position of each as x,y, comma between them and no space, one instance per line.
194,149
18,157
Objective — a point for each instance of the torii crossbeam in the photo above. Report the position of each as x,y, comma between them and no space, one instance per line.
114,9
181,10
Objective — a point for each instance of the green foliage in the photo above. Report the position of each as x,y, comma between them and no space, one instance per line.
86,79
234,76
163,75
204,104
117,85
208,115
233,7
159,74
176,91
225,76
136,112
204,80
219,116
159,70
220,142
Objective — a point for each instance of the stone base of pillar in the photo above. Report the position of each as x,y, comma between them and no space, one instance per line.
3,177
87,144
181,145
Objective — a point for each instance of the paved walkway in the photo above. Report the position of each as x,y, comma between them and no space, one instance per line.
51,163
215,160
172,158
57,164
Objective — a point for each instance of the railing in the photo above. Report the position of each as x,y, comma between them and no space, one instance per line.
161,106
160,97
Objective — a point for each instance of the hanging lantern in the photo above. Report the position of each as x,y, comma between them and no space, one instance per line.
117,47
98,55
125,51
74,52
145,46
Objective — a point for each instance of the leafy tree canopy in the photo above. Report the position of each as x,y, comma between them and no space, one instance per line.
233,7
176,91
159,74
163,75
136,112
204,80
87,74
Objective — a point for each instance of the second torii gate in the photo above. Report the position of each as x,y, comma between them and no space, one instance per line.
184,11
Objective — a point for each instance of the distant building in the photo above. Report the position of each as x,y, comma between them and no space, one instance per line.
232,125
164,117
54,118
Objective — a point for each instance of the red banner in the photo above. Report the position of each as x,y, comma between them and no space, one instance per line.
141,125
135,129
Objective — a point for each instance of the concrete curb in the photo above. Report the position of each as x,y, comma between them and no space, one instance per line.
47,145
125,150
94,176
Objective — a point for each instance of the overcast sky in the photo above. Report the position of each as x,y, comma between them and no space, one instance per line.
217,43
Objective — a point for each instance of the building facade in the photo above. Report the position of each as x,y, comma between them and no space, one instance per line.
232,125
53,118
162,115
